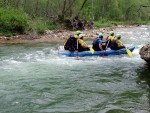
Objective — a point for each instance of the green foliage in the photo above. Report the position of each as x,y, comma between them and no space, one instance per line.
52,26
42,13
87,12
114,11
140,22
12,20
6,33
99,24
39,25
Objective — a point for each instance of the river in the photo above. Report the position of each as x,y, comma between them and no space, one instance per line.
35,79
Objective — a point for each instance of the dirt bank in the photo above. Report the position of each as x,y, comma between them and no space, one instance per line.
55,35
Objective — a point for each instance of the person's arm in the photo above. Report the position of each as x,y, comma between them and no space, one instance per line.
83,44
113,38
100,44
119,43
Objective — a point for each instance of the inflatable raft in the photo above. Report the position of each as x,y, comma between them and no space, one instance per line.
96,53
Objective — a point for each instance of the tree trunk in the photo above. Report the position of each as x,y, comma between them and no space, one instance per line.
63,10
47,8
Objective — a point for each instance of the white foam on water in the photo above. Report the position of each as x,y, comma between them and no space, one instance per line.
39,75
49,55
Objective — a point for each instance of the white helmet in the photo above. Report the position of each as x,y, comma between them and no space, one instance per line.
81,35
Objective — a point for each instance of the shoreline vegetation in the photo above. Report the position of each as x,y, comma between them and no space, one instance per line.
58,35
54,20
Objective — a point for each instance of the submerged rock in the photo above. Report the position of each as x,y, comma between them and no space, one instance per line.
145,53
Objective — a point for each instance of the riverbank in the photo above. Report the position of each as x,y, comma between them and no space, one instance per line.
58,35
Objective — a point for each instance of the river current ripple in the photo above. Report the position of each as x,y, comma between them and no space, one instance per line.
35,79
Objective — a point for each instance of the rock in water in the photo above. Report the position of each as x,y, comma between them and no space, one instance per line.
145,53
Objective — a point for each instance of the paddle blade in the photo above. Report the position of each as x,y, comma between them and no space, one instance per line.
92,50
129,52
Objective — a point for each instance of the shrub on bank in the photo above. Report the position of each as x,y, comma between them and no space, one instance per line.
39,25
16,21
12,20
99,24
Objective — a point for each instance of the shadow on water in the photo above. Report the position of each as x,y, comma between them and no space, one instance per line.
144,74
143,80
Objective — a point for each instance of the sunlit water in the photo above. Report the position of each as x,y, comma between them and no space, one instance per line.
35,79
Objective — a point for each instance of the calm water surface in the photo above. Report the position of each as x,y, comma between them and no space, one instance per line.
35,79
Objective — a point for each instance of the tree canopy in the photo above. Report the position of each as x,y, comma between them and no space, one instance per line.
87,9
39,15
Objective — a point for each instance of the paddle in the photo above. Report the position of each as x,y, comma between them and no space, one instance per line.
91,50
77,50
128,52
106,48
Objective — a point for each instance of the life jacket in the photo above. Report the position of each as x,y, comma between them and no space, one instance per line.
71,44
82,46
111,37
96,44
109,40
113,45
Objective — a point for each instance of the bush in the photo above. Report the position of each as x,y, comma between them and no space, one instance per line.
12,20
7,33
39,25
99,24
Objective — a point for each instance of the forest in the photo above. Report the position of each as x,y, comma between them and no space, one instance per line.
23,16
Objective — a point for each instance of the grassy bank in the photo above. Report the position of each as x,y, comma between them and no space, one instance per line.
98,24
